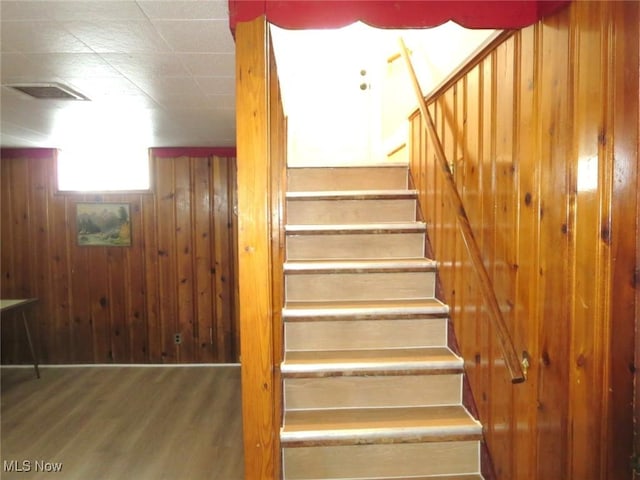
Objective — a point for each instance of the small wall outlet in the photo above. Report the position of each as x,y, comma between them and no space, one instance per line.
177,338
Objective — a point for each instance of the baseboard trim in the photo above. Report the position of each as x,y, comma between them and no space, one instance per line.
125,365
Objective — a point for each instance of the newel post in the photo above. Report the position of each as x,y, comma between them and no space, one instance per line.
255,261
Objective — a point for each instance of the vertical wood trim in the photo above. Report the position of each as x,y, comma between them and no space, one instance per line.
459,136
166,259
278,145
8,339
203,263
503,245
39,234
604,291
484,165
620,199
220,241
526,312
554,255
470,350
624,139
61,283
82,313
152,269
588,177
636,285
139,330
117,305
254,248
233,212
184,248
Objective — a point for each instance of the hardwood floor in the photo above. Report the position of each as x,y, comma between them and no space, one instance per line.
112,423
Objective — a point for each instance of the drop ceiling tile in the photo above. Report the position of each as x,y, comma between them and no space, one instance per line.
31,114
127,103
217,85
195,134
226,117
204,127
195,103
12,135
39,37
221,102
119,36
161,88
197,36
210,64
179,102
12,100
71,10
96,88
73,65
15,66
186,10
146,65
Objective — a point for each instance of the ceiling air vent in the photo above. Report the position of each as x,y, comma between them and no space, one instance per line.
49,91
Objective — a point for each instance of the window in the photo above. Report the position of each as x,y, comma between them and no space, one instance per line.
100,169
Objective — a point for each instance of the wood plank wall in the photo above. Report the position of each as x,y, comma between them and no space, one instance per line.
543,136
123,304
262,160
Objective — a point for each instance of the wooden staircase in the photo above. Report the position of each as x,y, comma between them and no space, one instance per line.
371,390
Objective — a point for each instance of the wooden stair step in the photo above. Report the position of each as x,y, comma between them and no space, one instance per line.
367,177
391,461
411,281
354,228
350,334
355,246
353,209
391,361
355,241
372,391
352,195
360,266
363,309
475,476
349,426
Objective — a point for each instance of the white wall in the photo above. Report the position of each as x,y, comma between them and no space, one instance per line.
332,121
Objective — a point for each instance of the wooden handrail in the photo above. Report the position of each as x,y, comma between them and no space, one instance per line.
495,314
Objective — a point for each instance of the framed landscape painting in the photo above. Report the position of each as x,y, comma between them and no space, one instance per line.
103,224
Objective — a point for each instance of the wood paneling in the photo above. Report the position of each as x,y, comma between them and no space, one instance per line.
122,304
261,138
545,147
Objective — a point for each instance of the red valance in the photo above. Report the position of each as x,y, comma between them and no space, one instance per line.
313,14
174,152
20,152
159,152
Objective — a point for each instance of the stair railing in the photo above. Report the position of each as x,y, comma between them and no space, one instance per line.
517,369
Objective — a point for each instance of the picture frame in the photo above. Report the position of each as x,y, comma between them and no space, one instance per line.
103,224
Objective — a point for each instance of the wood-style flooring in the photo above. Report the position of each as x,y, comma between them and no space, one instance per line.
112,423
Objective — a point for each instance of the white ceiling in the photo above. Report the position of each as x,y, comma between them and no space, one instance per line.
158,71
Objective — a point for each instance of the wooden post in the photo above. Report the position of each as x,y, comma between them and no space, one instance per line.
254,249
